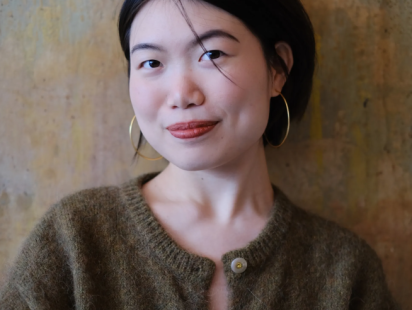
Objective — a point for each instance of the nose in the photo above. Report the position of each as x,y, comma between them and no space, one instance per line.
185,92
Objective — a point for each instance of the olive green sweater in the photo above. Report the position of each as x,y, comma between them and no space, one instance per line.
103,249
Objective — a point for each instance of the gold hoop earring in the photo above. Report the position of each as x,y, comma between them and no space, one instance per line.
135,148
287,130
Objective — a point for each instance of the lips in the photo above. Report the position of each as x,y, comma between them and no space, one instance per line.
191,129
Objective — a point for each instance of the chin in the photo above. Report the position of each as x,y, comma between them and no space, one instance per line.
196,162
194,165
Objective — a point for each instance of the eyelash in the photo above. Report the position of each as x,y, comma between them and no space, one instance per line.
147,61
220,54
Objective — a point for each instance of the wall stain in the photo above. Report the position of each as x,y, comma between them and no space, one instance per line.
24,201
4,203
316,132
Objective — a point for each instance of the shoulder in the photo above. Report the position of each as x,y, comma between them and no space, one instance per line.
86,215
324,241
105,198
307,222
88,200
334,261
93,202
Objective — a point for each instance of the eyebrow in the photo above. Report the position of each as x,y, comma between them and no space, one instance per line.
214,33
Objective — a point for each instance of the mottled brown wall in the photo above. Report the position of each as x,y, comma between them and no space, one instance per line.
350,159
64,114
64,108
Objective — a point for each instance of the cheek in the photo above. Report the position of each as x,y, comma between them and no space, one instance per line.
250,97
145,101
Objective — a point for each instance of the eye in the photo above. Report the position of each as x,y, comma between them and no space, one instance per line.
151,64
214,54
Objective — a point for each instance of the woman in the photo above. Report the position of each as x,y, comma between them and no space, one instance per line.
211,83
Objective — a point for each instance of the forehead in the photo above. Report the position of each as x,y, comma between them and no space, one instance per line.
164,19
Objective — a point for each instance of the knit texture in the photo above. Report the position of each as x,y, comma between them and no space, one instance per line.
103,248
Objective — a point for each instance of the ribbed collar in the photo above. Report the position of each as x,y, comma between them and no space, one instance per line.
193,267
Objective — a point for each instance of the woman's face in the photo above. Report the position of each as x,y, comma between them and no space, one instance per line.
188,111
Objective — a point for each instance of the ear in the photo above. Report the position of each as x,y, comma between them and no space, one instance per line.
279,78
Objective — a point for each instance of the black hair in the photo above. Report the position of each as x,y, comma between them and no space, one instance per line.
270,21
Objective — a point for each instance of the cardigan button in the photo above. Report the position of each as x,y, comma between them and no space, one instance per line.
238,265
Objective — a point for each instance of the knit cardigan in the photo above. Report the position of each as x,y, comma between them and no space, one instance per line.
103,248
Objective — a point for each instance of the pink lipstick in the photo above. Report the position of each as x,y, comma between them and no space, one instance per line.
191,129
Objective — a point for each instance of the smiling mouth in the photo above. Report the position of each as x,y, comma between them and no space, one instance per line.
191,129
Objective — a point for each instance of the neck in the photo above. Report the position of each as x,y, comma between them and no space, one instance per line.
239,188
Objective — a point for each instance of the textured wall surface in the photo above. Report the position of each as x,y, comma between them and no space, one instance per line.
64,116
350,159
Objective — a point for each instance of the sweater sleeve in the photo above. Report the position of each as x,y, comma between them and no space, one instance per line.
370,291
40,277
10,298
